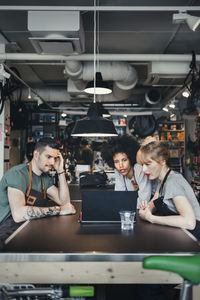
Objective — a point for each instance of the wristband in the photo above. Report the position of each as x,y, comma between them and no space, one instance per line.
58,209
60,173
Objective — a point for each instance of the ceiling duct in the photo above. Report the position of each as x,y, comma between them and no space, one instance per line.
169,73
123,75
56,32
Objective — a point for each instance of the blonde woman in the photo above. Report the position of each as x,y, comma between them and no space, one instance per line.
174,198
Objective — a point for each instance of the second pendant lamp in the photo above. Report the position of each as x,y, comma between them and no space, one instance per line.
94,124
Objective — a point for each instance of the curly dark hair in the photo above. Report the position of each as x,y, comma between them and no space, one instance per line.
122,144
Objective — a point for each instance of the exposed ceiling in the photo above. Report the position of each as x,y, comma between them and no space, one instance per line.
138,48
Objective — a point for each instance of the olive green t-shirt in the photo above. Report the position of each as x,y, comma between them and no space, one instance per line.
18,178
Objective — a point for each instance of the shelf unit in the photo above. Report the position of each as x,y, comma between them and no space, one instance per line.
172,133
42,125
120,125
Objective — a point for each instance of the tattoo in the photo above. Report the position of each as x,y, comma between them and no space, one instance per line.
41,212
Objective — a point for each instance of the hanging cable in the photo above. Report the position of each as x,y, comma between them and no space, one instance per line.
14,85
95,50
24,83
98,40
192,77
193,72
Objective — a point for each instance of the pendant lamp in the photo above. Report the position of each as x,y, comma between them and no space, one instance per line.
104,112
101,86
94,124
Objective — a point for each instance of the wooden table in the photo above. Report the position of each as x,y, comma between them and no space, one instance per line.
89,253
61,250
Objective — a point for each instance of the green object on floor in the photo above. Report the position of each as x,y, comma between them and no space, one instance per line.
81,291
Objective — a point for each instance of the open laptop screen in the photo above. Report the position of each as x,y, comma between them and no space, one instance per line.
100,206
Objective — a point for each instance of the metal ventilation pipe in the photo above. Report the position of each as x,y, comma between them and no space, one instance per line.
153,96
123,75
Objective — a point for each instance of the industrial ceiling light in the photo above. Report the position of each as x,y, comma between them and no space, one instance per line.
165,109
104,112
172,116
39,101
185,94
182,17
63,114
101,87
172,105
193,22
94,124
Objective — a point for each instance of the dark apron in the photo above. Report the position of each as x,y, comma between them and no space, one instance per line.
33,197
163,209
6,229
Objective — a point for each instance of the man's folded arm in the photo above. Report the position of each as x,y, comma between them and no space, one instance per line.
21,212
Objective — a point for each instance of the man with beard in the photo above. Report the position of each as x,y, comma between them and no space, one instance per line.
27,191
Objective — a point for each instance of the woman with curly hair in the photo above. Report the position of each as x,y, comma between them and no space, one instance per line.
120,153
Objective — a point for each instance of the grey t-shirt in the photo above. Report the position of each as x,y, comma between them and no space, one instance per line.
177,185
18,178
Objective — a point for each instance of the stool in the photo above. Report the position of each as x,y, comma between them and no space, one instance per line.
188,267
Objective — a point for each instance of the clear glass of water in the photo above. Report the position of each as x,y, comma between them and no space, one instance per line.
127,219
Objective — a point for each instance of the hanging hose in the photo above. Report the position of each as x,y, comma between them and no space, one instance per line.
194,90
7,89
2,99
13,84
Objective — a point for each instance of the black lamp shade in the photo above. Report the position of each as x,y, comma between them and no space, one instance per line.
104,112
100,88
94,124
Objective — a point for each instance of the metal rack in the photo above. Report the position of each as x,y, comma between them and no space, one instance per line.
172,134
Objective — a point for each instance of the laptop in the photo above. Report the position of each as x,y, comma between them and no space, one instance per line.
101,206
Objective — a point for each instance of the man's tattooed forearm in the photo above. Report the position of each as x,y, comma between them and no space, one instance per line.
40,212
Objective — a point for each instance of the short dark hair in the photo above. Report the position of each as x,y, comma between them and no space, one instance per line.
122,144
47,141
